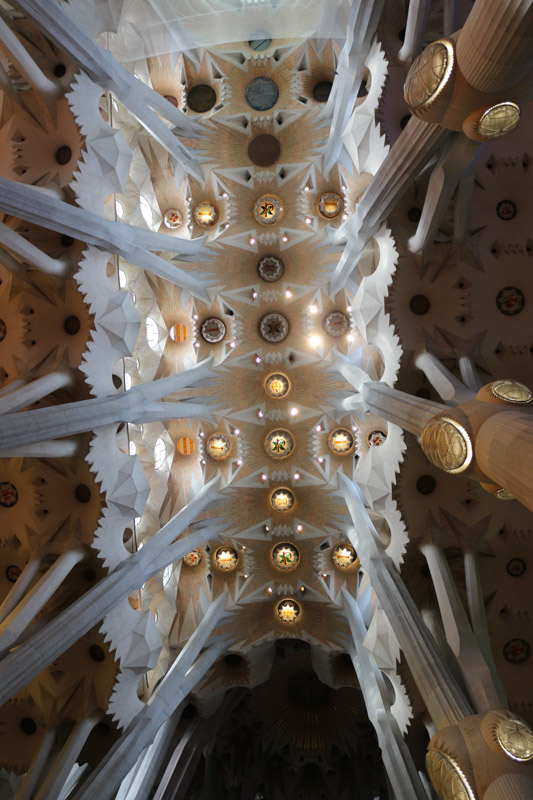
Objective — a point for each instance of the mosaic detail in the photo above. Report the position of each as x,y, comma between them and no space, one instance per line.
268,209
329,205
218,446
178,333
226,559
512,391
428,74
279,444
270,268
205,214
341,442
288,611
344,556
446,776
172,218
262,93
213,330
516,567
193,558
336,323
516,651
282,499
506,210
185,445
376,438
8,494
510,301
447,445
13,573
285,557
498,120
274,328
277,385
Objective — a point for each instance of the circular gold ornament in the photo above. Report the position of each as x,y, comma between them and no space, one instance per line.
344,556
268,209
205,214
226,559
288,611
185,445
277,385
511,392
447,445
218,446
341,442
285,557
429,74
178,332
329,205
279,444
336,323
172,218
498,120
515,738
448,779
282,499
193,558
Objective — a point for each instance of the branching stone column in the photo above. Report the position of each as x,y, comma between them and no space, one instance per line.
399,765
138,404
443,381
415,28
25,64
32,254
138,784
30,657
35,390
409,412
133,244
186,671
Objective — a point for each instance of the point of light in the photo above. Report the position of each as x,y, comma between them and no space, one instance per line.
267,529
355,428
251,240
258,359
190,226
320,460
203,460
313,309
348,309
236,431
350,337
306,188
263,477
260,414
299,528
315,341
302,588
224,194
226,225
197,344
239,462
232,344
269,590
254,295
202,434
318,428
284,238
345,217
288,293
308,220
296,476
294,411
189,199
343,187
195,316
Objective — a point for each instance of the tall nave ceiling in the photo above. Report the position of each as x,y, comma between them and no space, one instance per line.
266,433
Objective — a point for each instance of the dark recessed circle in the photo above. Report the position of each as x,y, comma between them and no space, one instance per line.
13,572
201,98
423,392
321,91
63,154
262,93
67,241
89,574
414,214
72,325
419,304
264,150
516,651
28,726
233,659
96,652
426,484
516,567
506,210
82,493
259,41
404,121
171,99
59,70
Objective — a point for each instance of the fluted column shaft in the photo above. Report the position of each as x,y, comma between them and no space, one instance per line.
504,452
409,412
35,390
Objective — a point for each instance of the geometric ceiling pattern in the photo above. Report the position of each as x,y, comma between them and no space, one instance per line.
199,504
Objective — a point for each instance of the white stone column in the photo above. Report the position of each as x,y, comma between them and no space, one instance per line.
58,448
47,644
28,608
409,412
450,389
32,254
138,404
186,671
137,785
445,177
19,589
444,698
449,17
35,390
469,374
144,103
17,53
133,244
415,28
66,759
397,759
38,764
